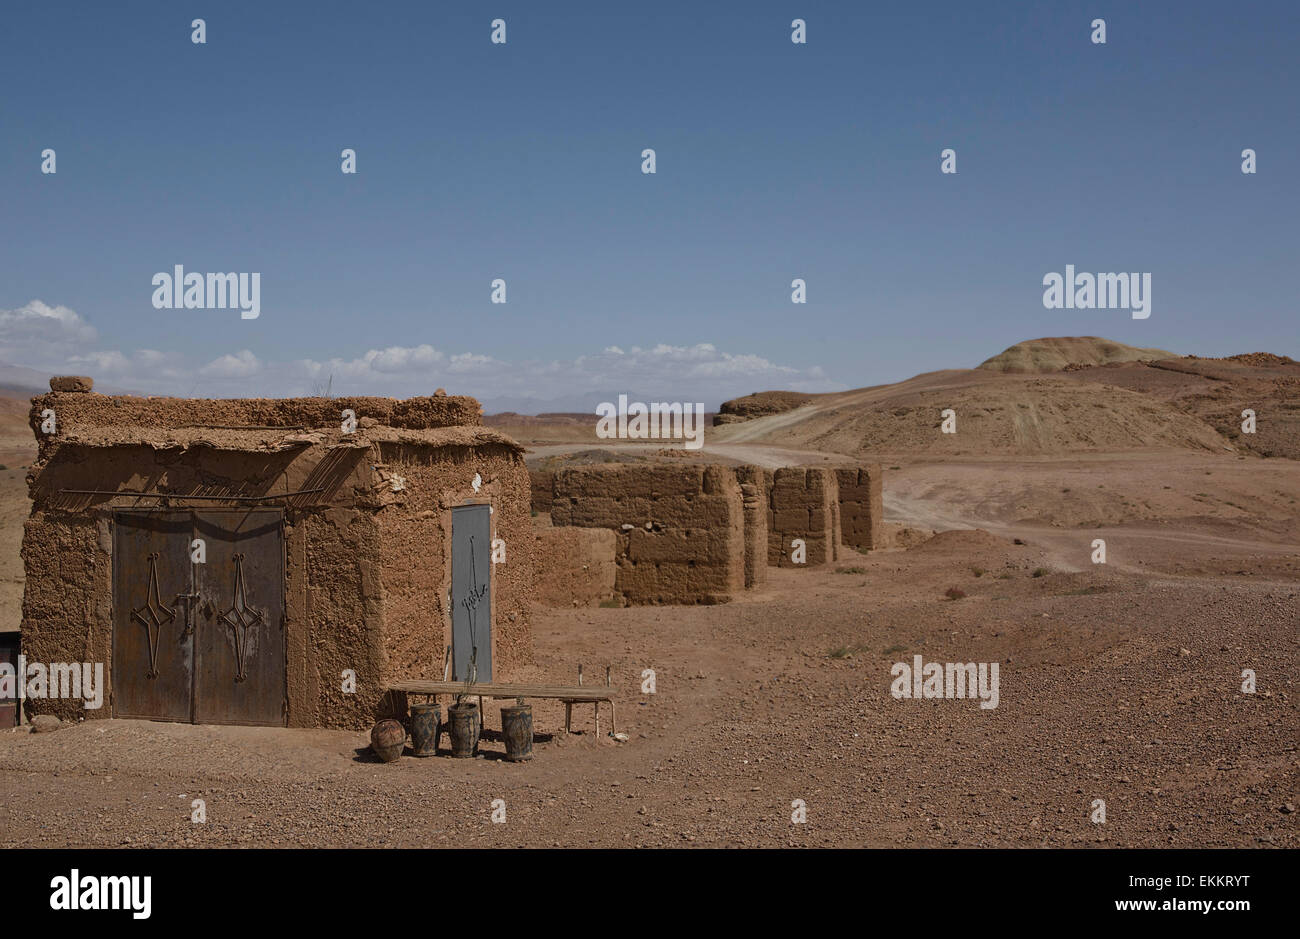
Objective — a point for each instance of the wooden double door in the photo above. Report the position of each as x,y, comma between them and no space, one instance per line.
198,615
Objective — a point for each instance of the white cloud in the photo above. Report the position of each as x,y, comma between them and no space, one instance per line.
149,364
466,362
110,360
375,364
38,333
398,359
660,372
240,365
151,357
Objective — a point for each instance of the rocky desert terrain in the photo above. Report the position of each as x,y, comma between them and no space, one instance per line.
1120,682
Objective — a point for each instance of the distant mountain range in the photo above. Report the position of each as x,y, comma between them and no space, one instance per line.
20,379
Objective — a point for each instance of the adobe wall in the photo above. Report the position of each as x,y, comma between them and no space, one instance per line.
680,528
803,503
416,488
67,600
335,619
574,566
543,491
701,544
861,507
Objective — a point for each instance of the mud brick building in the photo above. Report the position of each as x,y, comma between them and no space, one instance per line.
695,533
232,561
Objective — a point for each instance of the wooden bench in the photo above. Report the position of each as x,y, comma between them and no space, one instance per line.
578,694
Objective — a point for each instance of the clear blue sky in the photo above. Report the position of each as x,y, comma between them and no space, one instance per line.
522,161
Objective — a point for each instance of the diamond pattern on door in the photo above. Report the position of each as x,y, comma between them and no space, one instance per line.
199,642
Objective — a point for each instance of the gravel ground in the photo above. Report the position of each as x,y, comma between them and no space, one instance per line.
1115,684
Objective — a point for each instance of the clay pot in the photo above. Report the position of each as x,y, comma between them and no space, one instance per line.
387,738
517,729
425,719
464,727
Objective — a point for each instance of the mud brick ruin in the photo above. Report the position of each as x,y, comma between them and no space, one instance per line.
694,533
233,561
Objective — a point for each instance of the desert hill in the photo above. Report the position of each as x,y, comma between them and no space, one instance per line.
1103,397
1217,391
1056,353
760,404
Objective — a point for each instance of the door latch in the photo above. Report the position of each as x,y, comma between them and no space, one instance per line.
188,598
